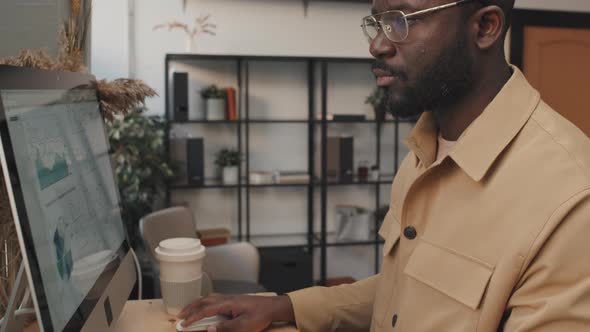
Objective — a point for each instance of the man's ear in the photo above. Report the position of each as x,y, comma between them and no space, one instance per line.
489,23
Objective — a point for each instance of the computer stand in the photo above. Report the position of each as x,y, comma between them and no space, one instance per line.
14,321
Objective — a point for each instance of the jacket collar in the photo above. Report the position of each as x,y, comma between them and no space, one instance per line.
487,136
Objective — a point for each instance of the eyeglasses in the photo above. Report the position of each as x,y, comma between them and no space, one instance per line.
396,24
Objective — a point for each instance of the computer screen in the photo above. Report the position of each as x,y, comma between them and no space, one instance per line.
65,197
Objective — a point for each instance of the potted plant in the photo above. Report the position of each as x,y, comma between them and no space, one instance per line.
228,160
141,167
377,101
215,105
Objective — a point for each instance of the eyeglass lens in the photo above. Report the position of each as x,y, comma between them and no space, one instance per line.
393,24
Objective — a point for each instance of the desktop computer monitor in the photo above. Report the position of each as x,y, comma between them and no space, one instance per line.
64,199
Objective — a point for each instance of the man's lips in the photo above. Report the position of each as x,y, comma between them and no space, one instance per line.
384,78
383,81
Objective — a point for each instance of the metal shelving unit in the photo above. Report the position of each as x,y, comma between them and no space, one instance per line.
314,239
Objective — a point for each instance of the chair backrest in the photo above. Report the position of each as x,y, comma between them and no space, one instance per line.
165,224
233,261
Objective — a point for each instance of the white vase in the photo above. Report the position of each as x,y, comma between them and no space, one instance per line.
230,175
215,109
189,45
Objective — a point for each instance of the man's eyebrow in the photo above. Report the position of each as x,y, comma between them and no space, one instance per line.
405,7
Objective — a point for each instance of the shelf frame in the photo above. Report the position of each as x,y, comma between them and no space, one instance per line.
317,72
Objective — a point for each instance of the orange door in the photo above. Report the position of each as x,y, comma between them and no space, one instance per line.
557,62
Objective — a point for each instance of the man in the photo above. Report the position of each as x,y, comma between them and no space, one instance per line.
489,218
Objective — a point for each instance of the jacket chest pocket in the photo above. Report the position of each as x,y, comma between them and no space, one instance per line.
443,287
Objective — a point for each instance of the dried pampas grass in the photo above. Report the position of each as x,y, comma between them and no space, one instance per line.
72,36
201,25
122,96
32,59
10,257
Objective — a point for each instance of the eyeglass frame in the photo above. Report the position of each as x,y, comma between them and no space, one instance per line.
406,16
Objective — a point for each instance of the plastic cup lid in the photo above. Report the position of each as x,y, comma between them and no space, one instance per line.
180,249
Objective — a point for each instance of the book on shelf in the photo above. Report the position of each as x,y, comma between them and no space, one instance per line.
292,177
214,236
349,117
232,114
261,177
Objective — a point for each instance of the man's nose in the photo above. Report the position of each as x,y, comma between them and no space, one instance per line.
382,47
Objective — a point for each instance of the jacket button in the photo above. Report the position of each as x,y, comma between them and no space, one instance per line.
410,233
394,320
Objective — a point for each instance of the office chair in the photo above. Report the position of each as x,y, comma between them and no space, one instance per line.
232,268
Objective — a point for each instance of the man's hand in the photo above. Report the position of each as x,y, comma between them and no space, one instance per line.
247,313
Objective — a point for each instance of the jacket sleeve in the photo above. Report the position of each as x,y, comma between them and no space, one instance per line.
339,308
553,294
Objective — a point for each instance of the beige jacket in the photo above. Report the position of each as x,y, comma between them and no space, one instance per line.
494,238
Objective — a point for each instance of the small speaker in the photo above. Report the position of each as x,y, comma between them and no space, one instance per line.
180,97
178,154
195,153
188,155
340,158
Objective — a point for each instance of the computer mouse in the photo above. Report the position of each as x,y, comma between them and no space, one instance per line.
201,325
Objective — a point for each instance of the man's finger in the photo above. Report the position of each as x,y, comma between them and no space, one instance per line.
221,308
196,305
191,308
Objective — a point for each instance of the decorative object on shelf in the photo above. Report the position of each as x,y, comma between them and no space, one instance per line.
340,158
214,236
180,111
374,173
215,101
117,98
354,223
187,154
232,111
363,171
228,160
141,166
201,26
261,177
291,177
349,117
376,100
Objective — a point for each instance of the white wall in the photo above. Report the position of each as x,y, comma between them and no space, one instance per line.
110,39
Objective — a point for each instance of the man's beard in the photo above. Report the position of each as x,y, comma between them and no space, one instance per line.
439,85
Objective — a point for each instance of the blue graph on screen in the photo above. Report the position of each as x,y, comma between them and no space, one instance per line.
65,263
49,175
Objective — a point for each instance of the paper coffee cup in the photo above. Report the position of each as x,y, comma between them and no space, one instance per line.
181,272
